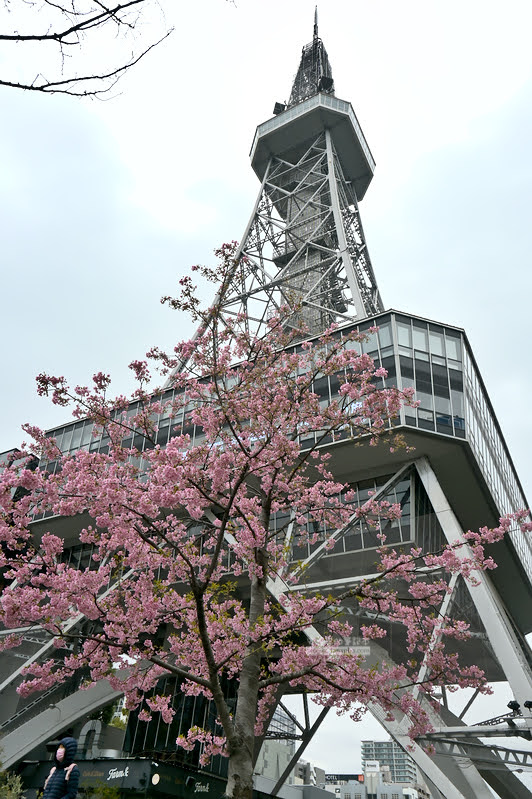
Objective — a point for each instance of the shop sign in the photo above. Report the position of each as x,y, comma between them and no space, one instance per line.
118,774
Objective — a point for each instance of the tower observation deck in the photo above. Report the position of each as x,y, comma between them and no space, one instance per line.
304,250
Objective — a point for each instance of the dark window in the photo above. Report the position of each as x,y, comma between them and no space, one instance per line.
425,419
321,387
407,366
423,381
456,379
441,384
335,384
389,365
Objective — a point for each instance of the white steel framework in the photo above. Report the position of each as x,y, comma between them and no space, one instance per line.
462,766
304,247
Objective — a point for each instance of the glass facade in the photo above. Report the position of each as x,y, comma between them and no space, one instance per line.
158,737
435,360
438,363
359,535
430,361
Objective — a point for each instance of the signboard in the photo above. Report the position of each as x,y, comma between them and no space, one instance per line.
343,778
144,777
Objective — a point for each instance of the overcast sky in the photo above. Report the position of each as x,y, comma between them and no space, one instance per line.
104,205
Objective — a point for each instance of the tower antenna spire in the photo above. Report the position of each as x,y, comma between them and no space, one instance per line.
314,74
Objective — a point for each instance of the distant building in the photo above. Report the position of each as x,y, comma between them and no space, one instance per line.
278,748
390,755
374,784
346,786
308,774
342,779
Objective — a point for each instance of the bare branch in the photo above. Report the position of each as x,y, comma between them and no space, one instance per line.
94,21
76,29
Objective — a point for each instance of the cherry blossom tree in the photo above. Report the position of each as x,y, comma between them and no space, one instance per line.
190,575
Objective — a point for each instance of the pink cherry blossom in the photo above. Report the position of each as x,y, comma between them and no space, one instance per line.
194,538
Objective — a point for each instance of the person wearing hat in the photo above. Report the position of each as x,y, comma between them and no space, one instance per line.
63,780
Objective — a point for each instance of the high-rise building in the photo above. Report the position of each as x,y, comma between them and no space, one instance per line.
305,250
388,753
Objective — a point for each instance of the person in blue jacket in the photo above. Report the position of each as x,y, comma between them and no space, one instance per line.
63,780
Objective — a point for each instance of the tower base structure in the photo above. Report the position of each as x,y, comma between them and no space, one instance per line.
455,475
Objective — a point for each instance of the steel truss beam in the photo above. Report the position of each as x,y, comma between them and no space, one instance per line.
48,645
512,659
497,757
454,778
489,606
55,719
306,735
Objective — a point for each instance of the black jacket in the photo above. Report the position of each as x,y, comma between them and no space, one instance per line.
63,781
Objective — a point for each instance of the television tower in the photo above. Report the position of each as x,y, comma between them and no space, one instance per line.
304,251
304,246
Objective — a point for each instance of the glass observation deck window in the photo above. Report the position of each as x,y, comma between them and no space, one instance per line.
430,361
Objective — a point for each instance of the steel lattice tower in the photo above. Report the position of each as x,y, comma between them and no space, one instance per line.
304,249
304,245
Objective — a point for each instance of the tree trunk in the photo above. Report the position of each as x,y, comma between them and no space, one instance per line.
241,746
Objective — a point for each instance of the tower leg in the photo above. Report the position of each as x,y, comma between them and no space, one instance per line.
455,778
487,602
